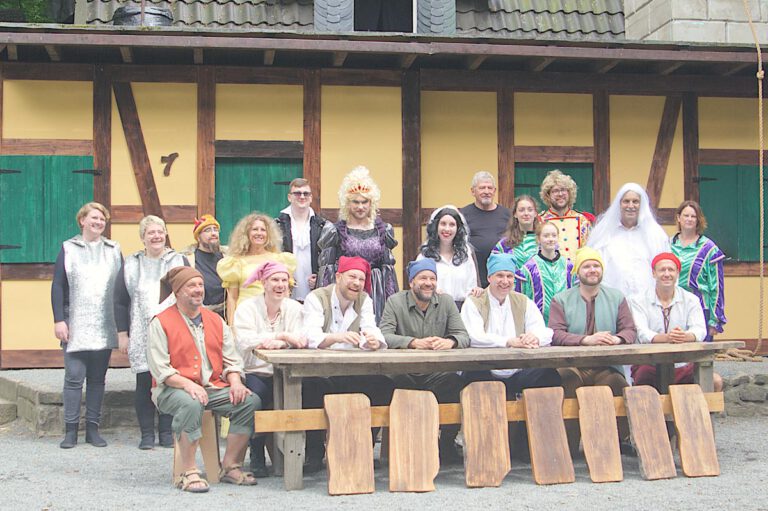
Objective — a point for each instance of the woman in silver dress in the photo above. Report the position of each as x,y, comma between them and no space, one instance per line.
137,294
81,297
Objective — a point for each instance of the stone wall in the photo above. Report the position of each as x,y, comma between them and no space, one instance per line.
704,21
746,395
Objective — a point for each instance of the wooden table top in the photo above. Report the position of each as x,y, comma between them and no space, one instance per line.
306,362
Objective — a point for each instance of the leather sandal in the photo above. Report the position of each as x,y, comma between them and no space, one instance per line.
243,479
185,482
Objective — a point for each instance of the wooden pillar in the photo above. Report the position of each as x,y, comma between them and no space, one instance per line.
411,113
505,134
601,173
102,139
663,150
312,91
206,135
691,145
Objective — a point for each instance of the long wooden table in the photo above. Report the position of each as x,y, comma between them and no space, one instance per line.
291,366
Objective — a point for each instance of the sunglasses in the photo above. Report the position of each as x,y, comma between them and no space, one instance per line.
301,194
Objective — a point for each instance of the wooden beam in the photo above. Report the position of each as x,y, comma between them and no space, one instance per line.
539,65
269,57
475,61
691,146
13,52
47,71
665,216
152,73
728,156
259,149
669,67
2,79
54,53
27,271
373,77
601,173
102,138
272,421
661,154
506,150
137,149
406,61
175,214
198,56
411,172
206,135
603,67
126,54
732,69
338,58
47,146
743,269
555,154
312,105
262,75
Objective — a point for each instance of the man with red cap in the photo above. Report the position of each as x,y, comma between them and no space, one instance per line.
196,366
340,317
668,313
204,255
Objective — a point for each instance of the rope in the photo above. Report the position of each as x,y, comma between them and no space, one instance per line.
760,75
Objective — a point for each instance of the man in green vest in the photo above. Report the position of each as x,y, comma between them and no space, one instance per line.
420,318
340,317
591,314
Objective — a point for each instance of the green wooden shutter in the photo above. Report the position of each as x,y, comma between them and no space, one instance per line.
41,196
249,184
528,178
730,198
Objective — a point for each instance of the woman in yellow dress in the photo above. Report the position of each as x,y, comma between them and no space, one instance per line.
255,239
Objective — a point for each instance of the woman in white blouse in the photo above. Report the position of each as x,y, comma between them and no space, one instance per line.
448,244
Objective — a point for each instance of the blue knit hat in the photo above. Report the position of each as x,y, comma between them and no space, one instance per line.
418,266
500,262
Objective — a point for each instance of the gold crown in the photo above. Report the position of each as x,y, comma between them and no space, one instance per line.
359,188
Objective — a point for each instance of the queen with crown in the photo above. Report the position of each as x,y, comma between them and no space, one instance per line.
360,232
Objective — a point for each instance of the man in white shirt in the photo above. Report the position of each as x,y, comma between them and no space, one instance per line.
340,317
301,229
668,313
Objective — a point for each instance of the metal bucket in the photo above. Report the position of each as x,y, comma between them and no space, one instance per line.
153,16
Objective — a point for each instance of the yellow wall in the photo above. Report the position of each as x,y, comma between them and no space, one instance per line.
741,308
27,316
168,116
361,126
634,128
458,138
28,106
259,112
553,119
728,123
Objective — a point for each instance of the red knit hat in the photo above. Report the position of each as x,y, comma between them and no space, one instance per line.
356,263
669,256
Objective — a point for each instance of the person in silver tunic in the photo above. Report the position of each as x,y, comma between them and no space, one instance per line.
137,294
81,297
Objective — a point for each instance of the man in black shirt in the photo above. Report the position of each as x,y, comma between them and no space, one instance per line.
206,253
486,219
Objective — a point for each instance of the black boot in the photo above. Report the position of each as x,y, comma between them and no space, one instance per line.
70,437
164,430
258,459
146,417
92,435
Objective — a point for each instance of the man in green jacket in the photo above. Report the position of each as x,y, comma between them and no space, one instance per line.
421,319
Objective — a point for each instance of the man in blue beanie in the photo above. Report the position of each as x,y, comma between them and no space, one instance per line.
419,318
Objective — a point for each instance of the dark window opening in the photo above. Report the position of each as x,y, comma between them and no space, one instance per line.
384,15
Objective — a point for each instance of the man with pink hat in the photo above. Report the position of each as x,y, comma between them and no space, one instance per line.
340,317
668,313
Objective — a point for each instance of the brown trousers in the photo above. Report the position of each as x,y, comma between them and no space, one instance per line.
573,378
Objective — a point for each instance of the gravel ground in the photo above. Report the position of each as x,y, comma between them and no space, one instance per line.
36,474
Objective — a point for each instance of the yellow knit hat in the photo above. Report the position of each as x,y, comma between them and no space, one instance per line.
585,254
203,222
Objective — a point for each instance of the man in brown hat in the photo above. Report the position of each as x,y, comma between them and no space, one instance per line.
196,366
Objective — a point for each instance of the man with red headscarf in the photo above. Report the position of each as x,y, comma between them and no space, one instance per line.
193,359
340,317
668,313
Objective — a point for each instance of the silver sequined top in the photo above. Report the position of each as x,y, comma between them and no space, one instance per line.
91,269
142,280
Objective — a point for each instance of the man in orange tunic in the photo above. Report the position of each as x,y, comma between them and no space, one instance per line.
196,367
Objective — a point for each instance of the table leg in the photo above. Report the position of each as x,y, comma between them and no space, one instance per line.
293,443
703,374
277,438
665,375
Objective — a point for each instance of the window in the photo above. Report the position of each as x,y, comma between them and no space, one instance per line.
40,198
384,15
730,198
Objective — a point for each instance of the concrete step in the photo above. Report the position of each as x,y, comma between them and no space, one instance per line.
36,396
7,411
